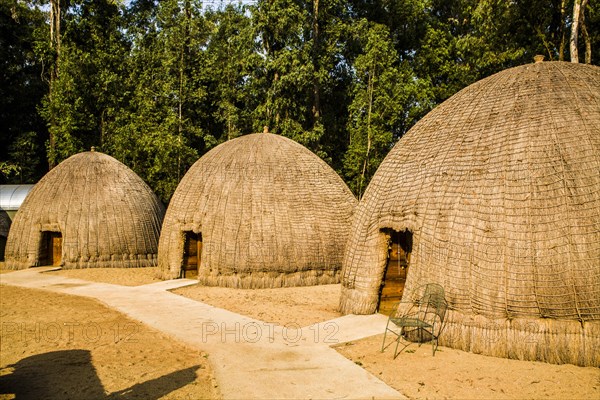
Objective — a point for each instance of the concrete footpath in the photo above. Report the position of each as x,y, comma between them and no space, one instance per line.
251,358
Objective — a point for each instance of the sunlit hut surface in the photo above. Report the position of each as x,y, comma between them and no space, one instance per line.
257,211
497,193
89,211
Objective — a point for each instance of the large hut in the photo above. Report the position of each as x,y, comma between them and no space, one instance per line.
257,211
89,211
495,195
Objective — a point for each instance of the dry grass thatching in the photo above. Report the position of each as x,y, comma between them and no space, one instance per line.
270,214
500,186
107,216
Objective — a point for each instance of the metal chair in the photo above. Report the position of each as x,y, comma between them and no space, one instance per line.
425,316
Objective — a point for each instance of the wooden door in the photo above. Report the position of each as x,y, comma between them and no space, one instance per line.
192,252
51,249
56,248
392,287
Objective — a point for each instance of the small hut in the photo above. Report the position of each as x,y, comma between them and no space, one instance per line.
11,198
4,228
254,212
89,211
495,195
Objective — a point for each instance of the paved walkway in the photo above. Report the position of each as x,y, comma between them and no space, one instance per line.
251,359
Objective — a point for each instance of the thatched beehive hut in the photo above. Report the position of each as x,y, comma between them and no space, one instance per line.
11,198
495,195
257,211
89,211
4,228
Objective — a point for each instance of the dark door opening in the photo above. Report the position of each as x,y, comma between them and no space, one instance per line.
192,252
51,248
396,270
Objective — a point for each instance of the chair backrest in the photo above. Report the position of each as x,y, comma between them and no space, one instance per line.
433,301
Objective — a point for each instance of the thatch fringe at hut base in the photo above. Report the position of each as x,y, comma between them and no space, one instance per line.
271,279
548,340
358,302
126,261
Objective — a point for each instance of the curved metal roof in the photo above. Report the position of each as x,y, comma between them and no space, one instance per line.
12,196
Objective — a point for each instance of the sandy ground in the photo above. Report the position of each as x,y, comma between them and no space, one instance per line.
124,365
115,276
293,307
56,346
455,374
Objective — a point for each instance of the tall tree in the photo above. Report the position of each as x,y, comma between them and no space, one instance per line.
326,37
55,40
85,92
304,70
287,68
578,25
158,133
385,93
23,132
230,61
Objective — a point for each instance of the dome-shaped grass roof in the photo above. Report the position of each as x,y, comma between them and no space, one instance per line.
499,188
265,211
89,211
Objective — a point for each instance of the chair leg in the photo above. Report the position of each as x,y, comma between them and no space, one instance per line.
384,335
397,343
434,339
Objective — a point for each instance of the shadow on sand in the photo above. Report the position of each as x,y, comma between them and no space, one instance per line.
70,374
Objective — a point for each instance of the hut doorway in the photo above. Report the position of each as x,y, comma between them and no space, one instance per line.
192,251
396,269
51,248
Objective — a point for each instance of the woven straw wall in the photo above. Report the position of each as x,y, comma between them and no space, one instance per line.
107,215
500,186
270,212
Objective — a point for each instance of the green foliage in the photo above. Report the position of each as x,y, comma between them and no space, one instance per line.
86,95
231,59
157,84
384,95
158,133
7,169
22,130
286,73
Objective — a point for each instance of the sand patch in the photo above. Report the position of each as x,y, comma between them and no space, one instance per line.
292,306
61,346
455,374
114,276
155,364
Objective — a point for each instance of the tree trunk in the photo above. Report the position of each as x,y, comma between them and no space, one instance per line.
54,71
55,35
370,90
585,33
277,113
182,63
575,31
563,36
316,110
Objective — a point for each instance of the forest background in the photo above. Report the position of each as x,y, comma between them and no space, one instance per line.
157,84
